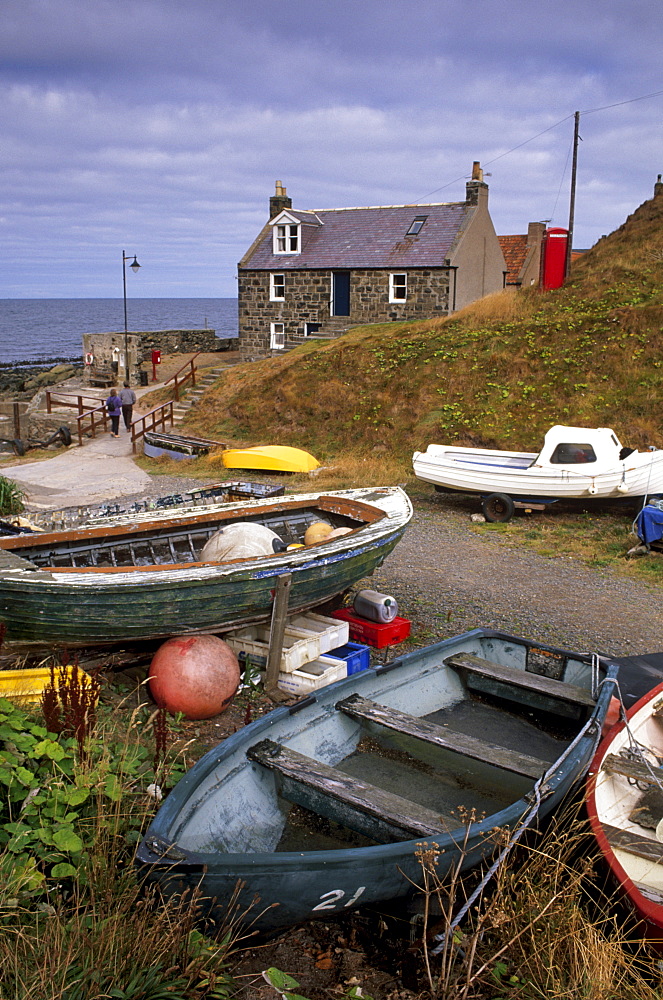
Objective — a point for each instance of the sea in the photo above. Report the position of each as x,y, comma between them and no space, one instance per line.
47,331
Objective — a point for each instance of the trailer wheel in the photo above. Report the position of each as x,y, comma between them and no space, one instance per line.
18,446
65,435
498,508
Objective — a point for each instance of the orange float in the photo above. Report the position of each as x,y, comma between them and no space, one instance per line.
194,674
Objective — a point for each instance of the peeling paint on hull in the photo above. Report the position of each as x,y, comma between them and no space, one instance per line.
89,606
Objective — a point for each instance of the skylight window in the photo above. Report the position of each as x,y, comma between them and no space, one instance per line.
415,228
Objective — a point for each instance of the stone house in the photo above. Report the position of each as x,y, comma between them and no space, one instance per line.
317,273
522,254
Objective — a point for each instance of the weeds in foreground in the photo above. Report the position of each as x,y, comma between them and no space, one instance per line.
539,931
110,938
75,922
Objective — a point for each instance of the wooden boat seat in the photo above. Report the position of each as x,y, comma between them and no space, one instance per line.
469,746
8,560
354,803
513,677
634,769
633,843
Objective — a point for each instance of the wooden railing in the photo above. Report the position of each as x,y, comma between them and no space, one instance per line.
191,374
79,403
151,421
88,419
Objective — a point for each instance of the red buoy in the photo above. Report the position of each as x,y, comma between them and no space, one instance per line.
194,674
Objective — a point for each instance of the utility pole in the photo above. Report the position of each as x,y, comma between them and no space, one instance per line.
572,204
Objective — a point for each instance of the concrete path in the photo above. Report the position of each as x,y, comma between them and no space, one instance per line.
103,469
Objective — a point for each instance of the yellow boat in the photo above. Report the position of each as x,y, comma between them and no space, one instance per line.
27,686
271,458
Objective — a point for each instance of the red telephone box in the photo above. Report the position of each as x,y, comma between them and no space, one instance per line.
553,258
156,360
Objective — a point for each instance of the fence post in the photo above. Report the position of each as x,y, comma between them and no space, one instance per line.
48,400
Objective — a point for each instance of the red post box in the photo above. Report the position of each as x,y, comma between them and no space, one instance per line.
156,360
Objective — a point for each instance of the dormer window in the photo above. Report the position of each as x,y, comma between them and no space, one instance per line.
287,238
417,223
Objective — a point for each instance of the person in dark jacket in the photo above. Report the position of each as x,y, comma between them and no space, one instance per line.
128,397
114,409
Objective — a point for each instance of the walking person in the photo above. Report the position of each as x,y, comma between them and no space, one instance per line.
128,397
114,409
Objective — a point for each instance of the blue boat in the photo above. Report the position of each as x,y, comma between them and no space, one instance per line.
319,807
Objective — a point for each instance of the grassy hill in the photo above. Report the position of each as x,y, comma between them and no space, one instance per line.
497,374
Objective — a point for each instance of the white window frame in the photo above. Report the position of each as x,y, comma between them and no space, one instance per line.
395,287
277,336
277,286
287,238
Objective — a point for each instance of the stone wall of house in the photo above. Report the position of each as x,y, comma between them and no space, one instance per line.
308,296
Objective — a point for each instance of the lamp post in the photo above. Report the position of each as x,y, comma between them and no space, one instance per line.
134,267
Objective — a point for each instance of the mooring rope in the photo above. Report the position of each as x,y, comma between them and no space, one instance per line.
538,793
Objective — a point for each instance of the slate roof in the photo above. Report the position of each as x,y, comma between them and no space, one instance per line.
514,249
366,237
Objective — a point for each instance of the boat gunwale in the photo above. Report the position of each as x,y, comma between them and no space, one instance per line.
381,526
213,512
649,910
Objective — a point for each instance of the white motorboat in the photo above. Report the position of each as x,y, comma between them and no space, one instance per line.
575,462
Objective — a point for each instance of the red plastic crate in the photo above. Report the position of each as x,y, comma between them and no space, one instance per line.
374,633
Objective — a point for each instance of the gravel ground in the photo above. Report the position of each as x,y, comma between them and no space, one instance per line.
449,578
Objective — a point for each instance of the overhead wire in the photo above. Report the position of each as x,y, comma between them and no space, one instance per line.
589,111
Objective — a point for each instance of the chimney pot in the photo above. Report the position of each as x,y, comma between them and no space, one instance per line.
279,200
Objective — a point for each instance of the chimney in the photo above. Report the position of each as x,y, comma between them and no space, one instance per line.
476,190
535,232
279,200
658,187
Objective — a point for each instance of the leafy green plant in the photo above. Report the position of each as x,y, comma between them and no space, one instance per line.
54,804
285,985
11,497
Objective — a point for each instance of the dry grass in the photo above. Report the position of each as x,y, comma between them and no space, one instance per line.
544,929
500,307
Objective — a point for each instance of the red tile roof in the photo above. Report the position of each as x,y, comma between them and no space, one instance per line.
366,237
514,249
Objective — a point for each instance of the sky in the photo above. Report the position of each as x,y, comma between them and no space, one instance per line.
159,127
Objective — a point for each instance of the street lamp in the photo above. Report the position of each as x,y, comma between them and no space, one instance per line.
134,267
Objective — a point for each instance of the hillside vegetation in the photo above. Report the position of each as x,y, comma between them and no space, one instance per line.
497,374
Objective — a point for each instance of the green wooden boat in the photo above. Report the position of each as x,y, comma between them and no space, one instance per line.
140,576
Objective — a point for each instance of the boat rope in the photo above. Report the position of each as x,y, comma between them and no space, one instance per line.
637,752
539,792
595,675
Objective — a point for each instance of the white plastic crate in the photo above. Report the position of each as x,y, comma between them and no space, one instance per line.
299,647
306,638
330,631
312,676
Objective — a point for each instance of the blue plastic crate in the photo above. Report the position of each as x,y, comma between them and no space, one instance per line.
356,656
